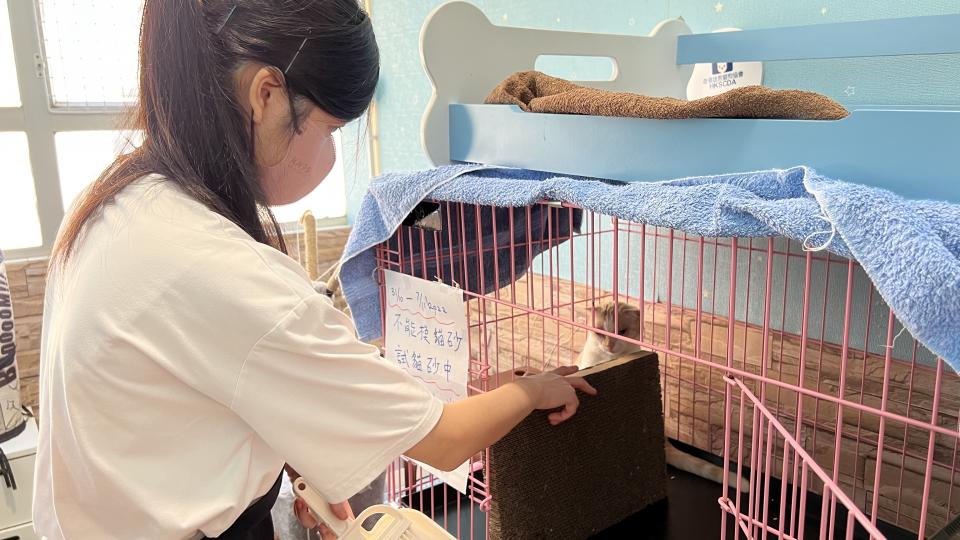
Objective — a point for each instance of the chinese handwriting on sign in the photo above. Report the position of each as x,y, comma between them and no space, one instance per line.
426,336
432,365
431,335
423,331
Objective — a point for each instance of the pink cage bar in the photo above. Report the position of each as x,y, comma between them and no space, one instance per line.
783,363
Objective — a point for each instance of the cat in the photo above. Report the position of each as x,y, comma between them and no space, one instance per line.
600,348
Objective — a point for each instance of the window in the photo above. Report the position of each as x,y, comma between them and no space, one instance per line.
64,105
19,225
91,51
83,155
9,91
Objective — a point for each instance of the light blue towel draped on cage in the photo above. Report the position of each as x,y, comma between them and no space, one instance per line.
909,249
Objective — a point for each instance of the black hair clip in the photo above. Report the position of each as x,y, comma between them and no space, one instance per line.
225,20
295,55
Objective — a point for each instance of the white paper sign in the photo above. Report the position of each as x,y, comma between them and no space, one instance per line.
426,335
713,79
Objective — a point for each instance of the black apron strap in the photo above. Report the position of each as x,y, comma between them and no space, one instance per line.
255,522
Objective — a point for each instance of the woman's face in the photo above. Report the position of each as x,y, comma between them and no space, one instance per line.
291,164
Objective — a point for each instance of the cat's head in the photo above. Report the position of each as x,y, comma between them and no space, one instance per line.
618,318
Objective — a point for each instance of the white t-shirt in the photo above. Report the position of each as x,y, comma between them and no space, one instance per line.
183,363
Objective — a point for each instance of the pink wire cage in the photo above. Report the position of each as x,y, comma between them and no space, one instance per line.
784,363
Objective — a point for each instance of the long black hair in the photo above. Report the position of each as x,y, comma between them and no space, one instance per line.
195,131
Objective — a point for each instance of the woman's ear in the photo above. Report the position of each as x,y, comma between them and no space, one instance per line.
267,93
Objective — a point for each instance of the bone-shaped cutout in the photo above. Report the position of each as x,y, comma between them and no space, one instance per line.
465,56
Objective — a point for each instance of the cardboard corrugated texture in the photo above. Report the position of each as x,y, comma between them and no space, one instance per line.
578,478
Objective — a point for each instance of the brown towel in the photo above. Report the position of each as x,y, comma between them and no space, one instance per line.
533,91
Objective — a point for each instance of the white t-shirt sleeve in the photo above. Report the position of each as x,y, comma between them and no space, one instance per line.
329,404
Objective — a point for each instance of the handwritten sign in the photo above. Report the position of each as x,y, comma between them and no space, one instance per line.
426,335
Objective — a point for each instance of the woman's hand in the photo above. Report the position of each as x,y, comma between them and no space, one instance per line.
556,389
309,521
470,425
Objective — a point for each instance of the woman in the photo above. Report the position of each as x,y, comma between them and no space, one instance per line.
185,358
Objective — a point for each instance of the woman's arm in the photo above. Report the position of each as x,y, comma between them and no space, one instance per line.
468,426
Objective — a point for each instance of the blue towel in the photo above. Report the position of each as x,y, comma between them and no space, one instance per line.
389,201
909,249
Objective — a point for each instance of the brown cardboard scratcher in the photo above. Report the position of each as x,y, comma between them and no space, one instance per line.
579,478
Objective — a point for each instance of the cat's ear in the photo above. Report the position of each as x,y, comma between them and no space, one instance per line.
630,308
594,314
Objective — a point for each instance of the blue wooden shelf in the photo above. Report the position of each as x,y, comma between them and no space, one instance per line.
911,152
934,34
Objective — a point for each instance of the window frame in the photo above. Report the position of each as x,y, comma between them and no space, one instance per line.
38,119
41,121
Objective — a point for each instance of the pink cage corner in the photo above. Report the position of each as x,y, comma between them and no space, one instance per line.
783,362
